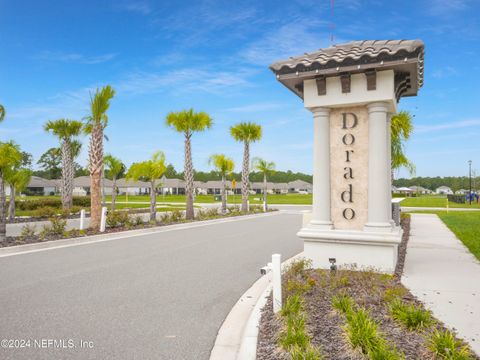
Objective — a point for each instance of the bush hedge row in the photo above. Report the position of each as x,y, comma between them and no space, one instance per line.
81,201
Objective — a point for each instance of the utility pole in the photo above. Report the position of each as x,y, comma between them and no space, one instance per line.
470,177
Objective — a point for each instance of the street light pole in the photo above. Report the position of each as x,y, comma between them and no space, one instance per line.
470,177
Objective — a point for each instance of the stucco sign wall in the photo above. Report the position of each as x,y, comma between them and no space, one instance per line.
349,167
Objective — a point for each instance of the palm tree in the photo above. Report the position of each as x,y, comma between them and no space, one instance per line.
246,132
266,168
151,171
18,180
224,166
401,128
188,122
2,112
96,123
9,156
115,167
65,130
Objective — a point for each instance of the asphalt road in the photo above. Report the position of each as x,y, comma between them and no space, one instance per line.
156,296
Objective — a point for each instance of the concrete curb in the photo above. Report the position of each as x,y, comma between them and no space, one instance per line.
56,244
237,337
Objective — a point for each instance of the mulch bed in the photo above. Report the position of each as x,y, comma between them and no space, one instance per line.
326,325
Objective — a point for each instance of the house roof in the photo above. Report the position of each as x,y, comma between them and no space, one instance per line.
299,184
172,183
38,182
84,181
124,183
405,57
443,187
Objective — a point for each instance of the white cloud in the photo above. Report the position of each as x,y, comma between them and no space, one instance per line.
256,107
140,7
448,126
444,72
446,7
289,40
75,57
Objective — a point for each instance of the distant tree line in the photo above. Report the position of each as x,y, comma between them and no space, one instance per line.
453,182
50,168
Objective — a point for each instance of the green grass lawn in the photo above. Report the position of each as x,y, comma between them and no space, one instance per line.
466,226
435,201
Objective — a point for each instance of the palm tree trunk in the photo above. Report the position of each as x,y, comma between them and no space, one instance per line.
265,191
189,214
224,195
96,167
153,202
11,207
245,171
114,192
67,175
3,220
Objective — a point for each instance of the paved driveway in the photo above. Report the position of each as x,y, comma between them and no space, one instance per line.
155,296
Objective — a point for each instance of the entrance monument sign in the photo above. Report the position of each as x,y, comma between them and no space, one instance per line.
352,90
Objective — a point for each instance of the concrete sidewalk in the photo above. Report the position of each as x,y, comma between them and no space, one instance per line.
445,276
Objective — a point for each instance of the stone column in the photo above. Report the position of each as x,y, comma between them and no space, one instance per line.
321,217
379,203
389,165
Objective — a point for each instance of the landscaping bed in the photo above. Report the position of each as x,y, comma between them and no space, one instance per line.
116,222
351,314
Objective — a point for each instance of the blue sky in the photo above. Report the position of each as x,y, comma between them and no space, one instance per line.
163,56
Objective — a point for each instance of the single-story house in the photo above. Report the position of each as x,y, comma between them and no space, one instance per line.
81,186
171,186
404,190
259,187
444,190
298,186
462,192
420,190
131,187
41,186
280,188
37,186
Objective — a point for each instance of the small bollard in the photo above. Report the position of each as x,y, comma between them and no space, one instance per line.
103,219
277,282
248,205
264,206
82,219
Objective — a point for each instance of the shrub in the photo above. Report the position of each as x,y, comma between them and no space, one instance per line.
410,315
295,286
176,215
212,212
299,267
233,210
309,353
294,333
444,346
361,331
343,303
57,225
293,306
165,218
46,211
28,231
396,292
256,209
82,201
117,219
38,203
138,220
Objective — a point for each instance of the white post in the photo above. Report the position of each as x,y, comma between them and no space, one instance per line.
82,219
103,220
321,216
264,206
379,206
277,282
248,205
